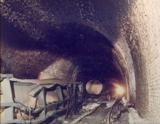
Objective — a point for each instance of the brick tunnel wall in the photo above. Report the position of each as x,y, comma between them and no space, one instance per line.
144,42
139,44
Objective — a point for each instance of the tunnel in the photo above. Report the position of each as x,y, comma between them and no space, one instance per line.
84,40
84,52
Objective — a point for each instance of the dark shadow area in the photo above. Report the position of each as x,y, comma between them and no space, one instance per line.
35,17
85,47
33,40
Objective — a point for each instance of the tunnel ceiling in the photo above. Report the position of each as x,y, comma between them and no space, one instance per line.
85,47
72,25
35,17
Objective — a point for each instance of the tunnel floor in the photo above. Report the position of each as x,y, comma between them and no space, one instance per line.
99,116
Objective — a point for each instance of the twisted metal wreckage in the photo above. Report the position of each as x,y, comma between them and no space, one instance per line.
70,97
26,101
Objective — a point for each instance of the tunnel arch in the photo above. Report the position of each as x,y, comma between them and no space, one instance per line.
140,52
68,32
123,57
107,23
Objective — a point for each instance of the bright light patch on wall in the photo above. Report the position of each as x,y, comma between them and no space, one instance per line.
119,89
